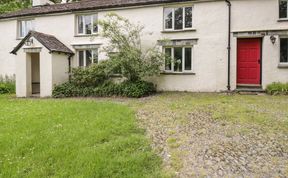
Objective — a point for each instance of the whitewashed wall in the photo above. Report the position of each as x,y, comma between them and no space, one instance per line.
210,54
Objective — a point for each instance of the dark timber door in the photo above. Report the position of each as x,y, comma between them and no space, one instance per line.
249,61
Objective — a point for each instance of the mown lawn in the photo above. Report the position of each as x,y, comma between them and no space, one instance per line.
72,138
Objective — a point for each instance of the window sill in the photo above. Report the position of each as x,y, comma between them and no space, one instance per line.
178,73
179,31
283,66
283,20
89,35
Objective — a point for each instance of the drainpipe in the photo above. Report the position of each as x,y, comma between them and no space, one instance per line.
69,67
229,44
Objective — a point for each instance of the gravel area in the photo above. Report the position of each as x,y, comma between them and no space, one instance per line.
194,144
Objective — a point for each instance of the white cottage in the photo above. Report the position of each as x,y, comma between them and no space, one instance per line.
222,45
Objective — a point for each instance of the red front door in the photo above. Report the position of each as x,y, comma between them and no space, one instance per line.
249,61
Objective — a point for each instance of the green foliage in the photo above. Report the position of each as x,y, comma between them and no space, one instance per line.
129,61
13,5
94,75
72,138
277,88
125,49
134,89
7,6
7,85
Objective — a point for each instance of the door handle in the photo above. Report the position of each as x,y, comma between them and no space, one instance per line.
259,61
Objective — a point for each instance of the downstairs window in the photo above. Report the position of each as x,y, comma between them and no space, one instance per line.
283,12
178,59
87,57
283,50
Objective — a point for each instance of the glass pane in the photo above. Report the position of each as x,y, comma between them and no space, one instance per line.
178,19
283,9
81,58
80,24
284,50
95,56
95,25
28,26
88,57
188,58
188,17
88,24
22,28
168,62
178,55
168,17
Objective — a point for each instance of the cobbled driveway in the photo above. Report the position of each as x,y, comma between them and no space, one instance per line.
217,135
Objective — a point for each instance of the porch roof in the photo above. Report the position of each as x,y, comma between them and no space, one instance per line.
48,41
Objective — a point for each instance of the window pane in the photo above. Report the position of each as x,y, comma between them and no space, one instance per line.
81,58
95,56
188,17
283,9
178,59
188,58
80,24
88,57
29,26
95,25
283,50
168,62
168,17
88,24
22,28
178,18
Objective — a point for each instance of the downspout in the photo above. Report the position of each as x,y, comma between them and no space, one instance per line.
69,66
229,44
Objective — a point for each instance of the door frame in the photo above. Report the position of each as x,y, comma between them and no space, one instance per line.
261,60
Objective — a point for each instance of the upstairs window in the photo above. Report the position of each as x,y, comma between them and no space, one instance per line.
87,57
178,18
24,27
178,59
283,12
87,24
283,50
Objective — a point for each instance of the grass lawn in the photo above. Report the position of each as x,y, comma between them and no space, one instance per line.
72,138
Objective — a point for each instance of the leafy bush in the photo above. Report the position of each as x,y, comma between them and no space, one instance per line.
125,57
277,88
93,75
125,49
7,85
127,89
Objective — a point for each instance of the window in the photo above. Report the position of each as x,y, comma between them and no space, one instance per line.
87,24
283,12
24,27
178,18
284,50
87,57
178,59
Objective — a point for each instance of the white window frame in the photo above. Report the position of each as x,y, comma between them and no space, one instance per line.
84,26
279,9
183,59
19,27
84,56
283,37
173,18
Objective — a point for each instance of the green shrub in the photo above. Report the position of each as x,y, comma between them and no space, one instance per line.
7,85
277,88
126,89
